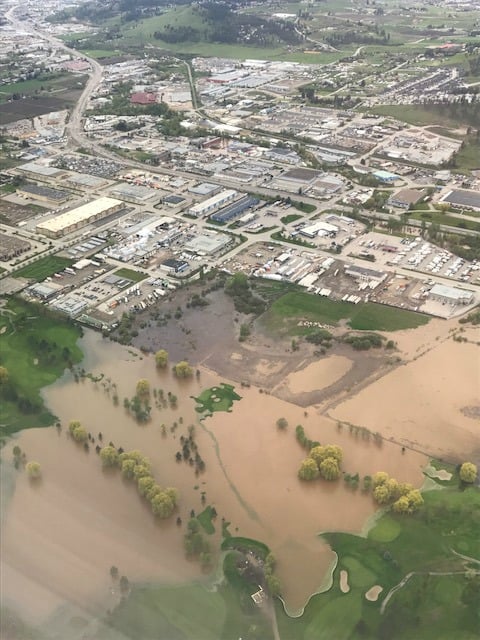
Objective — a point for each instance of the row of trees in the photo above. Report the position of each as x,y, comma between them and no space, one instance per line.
401,495
181,370
135,466
78,433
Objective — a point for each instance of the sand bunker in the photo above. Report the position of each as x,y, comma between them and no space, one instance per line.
319,375
344,586
441,474
420,404
373,593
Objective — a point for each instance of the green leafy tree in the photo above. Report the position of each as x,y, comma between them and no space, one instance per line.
379,478
329,469
381,494
162,505
145,484
321,453
34,470
367,483
308,470
401,505
393,488
128,468
80,434
415,499
273,584
172,493
183,370
109,456
161,359
72,425
282,423
468,472
143,387
141,471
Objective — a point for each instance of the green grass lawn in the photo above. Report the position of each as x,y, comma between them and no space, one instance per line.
36,346
291,217
101,53
469,157
43,268
131,274
446,219
216,399
284,314
415,114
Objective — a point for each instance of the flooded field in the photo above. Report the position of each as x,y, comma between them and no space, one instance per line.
61,537
424,403
318,375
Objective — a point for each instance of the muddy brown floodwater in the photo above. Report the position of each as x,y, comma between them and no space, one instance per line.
421,403
61,537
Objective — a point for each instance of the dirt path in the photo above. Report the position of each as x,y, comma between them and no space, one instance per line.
271,615
404,581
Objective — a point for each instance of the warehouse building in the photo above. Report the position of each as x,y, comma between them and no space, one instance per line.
134,193
319,229
464,198
208,243
52,197
365,275
235,210
297,180
212,204
80,217
450,295
405,198
40,171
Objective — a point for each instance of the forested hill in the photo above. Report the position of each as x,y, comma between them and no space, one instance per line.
221,22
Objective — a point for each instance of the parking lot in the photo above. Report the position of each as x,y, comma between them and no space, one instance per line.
415,254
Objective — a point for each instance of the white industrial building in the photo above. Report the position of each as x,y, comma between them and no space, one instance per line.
450,295
213,203
77,218
319,229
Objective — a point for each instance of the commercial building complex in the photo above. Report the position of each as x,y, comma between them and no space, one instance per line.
77,218
213,203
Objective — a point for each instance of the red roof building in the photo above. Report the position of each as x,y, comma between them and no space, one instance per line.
143,98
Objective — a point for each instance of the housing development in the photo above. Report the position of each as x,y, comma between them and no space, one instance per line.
282,199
